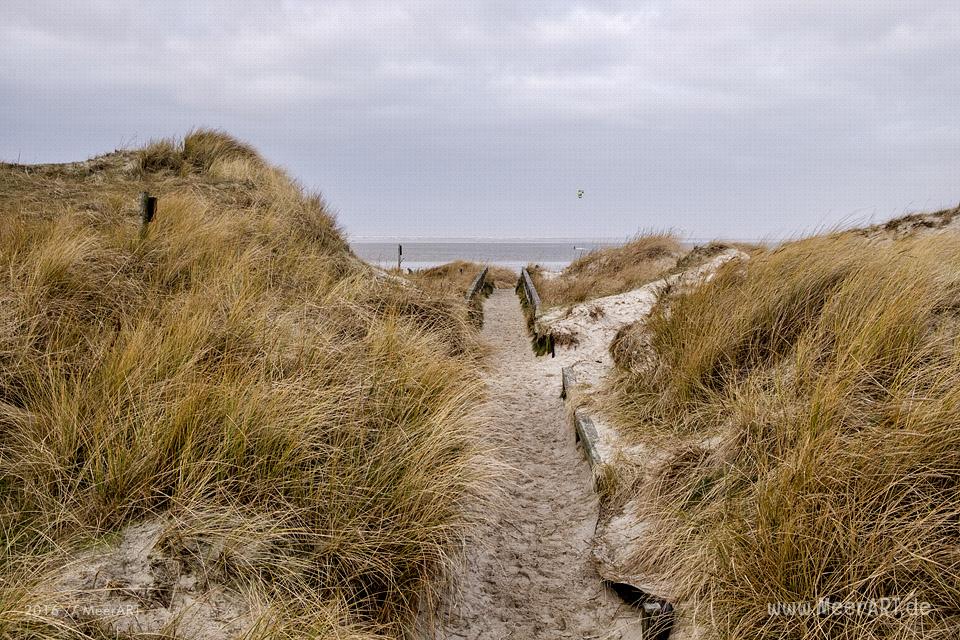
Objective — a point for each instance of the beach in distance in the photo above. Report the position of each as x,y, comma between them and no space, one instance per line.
479,321
554,254
200,371
421,254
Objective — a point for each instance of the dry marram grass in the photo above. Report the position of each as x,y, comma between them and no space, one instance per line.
456,277
608,271
811,397
299,433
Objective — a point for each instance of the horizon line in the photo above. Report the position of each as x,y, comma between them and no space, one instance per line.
383,239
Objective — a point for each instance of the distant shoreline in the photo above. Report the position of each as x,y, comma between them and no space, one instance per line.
608,241
513,254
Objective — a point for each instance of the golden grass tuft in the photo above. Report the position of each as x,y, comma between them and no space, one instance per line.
811,398
609,271
199,151
160,155
457,276
203,147
453,279
237,371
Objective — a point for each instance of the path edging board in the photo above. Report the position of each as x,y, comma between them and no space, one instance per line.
479,289
529,291
477,285
658,613
586,431
587,434
530,301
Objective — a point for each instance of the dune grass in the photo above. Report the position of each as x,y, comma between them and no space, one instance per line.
237,374
810,399
455,277
198,152
608,271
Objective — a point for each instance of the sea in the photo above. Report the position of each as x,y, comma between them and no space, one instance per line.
553,255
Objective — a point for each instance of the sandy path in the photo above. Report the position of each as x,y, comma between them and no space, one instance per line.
529,573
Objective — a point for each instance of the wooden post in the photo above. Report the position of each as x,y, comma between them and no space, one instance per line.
399,255
148,209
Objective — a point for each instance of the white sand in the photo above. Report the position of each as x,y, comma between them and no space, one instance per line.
592,326
135,586
530,572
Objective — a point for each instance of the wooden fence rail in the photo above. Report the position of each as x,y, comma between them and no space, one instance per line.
478,285
479,289
530,299
529,291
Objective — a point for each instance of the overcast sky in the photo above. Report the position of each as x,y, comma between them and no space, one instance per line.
714,118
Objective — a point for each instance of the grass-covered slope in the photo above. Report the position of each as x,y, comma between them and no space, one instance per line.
608,271
811,401
454,278
301,430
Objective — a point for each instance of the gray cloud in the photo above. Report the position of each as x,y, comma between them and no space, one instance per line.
473,119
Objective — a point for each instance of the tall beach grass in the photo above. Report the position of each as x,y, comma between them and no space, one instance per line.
809,399
235,374
608,271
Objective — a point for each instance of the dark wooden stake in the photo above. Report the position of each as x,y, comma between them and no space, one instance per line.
399,255
148,209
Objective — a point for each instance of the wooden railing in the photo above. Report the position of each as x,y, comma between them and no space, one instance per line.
478,285
530,300
479,289
530,294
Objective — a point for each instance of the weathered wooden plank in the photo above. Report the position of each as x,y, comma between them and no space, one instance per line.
530,291
567,379
587,434
657,615
477,284
542,343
